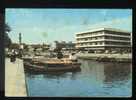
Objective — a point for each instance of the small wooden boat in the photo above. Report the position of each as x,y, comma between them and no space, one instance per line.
51,66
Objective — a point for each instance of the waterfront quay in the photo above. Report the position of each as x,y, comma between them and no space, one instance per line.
94,56
15,84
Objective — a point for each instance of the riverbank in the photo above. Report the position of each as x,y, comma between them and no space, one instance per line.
106,57
15,84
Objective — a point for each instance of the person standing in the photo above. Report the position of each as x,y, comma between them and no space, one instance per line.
13,56
59,55
72,57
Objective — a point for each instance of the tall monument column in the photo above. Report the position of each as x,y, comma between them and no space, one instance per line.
20,39
20,45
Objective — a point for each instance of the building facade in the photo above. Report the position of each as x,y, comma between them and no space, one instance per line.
104,39
65,45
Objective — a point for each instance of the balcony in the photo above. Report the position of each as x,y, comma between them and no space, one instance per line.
93,35
102,40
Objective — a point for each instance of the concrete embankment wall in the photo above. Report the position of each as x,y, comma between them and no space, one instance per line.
93,56
15,85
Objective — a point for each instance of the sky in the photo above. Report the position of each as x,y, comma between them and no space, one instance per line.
47,25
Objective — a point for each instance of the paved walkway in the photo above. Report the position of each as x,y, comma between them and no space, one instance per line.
14,79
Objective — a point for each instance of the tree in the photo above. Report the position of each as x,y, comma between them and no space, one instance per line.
6,37
7,28
58,46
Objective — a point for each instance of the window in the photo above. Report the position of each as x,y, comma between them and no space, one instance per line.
93,43
100,43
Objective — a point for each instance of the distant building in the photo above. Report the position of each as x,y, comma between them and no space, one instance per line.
70,45
30,48
65,45
39,47
104,39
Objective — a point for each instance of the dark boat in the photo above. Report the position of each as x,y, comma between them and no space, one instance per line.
51,67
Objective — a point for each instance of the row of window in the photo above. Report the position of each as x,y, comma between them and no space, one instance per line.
101,32
117,43
117,38
102,37
90,38
94,43
117,33
89,33
101,43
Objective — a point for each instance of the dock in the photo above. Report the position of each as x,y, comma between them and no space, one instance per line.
15,85
117,57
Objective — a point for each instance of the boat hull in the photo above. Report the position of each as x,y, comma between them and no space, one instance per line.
52,67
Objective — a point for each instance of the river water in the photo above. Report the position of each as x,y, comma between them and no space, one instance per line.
96,79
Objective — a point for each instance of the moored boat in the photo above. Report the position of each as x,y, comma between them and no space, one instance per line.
49,66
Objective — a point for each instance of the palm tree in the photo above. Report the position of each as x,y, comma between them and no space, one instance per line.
7,28
6,37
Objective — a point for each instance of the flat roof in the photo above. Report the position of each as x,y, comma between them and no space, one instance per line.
101,29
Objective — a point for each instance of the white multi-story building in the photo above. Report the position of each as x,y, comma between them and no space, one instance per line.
104,39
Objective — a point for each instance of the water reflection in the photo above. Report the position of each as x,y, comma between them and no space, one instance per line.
95,79
116,72
106,72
